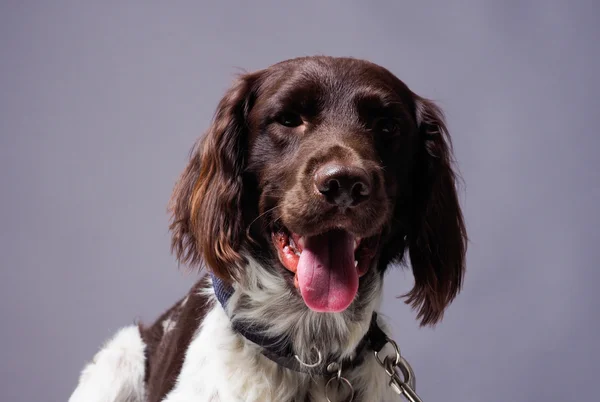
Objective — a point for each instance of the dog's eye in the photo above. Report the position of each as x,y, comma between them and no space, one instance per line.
386,125
289,119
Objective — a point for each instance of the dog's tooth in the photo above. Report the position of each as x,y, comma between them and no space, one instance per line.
355,263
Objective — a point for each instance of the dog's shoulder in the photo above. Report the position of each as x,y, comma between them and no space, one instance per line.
168,339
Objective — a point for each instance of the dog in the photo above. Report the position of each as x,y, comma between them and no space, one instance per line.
316,175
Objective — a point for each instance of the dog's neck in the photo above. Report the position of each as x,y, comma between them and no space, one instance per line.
263,305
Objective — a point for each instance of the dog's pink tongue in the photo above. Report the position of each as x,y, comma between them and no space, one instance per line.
327,277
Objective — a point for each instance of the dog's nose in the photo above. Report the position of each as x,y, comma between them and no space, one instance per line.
343,185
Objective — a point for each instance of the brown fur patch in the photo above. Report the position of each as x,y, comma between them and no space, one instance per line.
165,352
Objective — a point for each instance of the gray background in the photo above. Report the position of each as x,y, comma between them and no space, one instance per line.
100,104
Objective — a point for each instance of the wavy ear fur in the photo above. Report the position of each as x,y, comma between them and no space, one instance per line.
437,236
207,223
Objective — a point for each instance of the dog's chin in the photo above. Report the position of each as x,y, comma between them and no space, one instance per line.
326,267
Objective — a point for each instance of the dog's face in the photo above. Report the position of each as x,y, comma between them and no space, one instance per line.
325,169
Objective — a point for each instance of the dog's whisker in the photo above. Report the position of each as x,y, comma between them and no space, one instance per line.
260,216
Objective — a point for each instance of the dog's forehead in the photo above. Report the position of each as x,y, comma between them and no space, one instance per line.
331,83
331,75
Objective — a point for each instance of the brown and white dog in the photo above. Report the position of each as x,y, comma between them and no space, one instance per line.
316,175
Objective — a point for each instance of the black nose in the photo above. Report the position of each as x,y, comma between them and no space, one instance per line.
343,185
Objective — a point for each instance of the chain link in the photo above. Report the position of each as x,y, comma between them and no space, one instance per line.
341,381
402,376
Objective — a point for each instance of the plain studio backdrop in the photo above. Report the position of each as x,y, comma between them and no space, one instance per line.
101,103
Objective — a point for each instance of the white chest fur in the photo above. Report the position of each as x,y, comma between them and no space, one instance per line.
222,366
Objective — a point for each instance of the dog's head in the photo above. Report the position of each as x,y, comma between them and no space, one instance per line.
326,170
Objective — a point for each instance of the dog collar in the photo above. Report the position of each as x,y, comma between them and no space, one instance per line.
280,350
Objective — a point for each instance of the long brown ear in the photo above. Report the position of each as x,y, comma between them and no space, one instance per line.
206,217
437,236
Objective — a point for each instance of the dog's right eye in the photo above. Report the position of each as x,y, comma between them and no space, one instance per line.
289,119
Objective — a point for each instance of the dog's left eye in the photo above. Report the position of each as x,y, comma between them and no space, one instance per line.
289,119
386,125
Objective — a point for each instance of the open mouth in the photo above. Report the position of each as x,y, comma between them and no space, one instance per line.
327,266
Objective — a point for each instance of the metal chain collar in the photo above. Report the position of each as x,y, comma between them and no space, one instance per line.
402,376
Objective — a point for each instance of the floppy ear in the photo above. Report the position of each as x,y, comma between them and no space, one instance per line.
437,236
206,215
